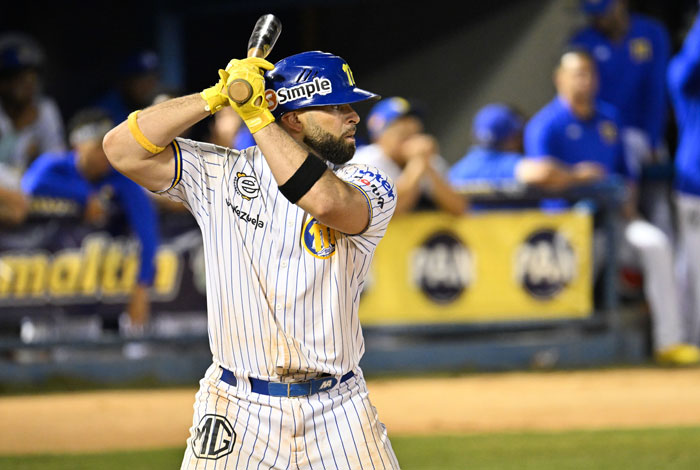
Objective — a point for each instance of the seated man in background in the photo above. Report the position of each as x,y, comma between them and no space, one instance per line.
409,157
85,176
574,127
30,122
497,158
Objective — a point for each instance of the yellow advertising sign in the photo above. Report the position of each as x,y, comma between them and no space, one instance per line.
485,267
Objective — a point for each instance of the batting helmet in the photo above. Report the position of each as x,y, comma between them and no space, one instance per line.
311,79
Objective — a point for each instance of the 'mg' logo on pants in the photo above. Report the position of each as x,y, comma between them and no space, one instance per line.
214,437
318,239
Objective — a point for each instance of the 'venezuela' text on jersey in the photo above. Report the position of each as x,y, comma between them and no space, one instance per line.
282,289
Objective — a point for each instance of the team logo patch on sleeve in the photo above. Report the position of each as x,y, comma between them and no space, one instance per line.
318,239
214,437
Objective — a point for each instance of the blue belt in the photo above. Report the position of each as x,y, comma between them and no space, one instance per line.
293,389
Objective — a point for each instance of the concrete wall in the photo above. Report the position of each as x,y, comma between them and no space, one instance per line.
508,57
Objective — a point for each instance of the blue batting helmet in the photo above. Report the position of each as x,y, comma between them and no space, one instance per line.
311,79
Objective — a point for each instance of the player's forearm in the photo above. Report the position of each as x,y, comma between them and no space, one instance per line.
160,124
330,200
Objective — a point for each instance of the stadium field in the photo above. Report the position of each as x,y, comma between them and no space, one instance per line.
672,448
641,418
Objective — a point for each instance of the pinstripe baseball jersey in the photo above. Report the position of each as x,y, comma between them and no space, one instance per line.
282,289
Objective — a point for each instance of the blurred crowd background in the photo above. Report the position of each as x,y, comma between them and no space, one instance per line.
508,116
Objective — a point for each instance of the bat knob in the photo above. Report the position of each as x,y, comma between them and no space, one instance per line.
240,91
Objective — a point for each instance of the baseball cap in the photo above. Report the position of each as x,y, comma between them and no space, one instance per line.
595,7
494,123
140,63
388,110
89,124
19,51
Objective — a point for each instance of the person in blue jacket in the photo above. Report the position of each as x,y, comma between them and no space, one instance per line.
496,159
684,87
84,175
631,52
575,127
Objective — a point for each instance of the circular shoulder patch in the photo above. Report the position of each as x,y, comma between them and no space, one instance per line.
318,239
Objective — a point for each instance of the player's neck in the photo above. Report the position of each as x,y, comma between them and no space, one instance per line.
582,109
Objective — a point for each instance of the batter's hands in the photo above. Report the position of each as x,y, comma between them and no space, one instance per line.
254,112
216,96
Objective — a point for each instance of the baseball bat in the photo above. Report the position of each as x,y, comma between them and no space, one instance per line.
263,38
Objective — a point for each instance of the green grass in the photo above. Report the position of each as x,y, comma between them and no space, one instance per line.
675,448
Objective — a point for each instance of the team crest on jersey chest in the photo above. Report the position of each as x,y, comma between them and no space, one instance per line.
247,186
318,240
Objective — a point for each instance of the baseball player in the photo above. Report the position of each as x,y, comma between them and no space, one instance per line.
30,121
574,127
684,86
497,159
289,232
631,52
84,175
401,148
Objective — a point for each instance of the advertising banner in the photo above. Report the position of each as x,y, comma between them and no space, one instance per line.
485,267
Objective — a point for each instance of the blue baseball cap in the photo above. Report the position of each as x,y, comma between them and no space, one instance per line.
495,123
144,62
596,7
388,110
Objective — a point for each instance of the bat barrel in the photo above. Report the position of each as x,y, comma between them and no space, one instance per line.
265,33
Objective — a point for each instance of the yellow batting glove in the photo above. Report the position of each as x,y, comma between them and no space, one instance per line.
216,96
254,112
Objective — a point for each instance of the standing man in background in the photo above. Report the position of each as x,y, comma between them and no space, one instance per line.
631,52
575,127
684,85
289,231
410,157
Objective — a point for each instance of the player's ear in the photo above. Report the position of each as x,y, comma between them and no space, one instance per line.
292,122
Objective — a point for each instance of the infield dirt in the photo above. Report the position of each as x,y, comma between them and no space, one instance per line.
519,401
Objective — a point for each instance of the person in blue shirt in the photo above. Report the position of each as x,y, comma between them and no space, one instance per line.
631,52
84,175
684,87
575,127
496,160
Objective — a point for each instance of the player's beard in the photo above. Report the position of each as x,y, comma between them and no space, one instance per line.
336,150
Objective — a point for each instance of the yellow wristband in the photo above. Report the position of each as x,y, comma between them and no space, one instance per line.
139,137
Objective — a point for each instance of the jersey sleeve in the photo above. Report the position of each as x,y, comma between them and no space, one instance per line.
683,72
197,176
144,222
378,190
